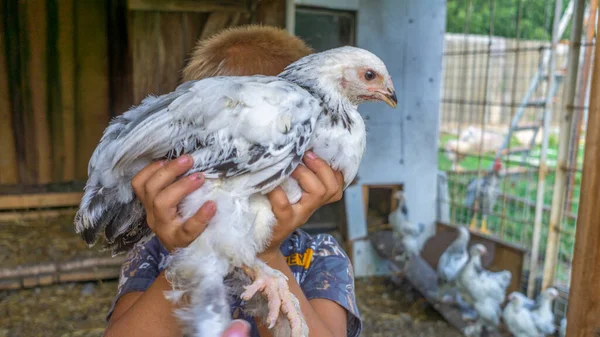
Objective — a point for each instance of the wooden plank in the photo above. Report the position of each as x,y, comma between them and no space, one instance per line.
37,81
42,200
66,60
55,118
584,296
193,24
36,214
9,173
501,255
13,35
171,51
121,61
91,82
421,275
144,37
216,22
189,5
271,13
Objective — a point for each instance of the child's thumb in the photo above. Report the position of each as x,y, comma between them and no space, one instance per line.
238,328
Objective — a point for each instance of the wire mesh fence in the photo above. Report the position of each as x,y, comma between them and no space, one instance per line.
498,94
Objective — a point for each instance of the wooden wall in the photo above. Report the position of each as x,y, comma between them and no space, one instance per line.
67,67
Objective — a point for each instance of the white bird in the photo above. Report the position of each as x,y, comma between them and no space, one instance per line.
413,235
528,318
483,290
452,261
562,332
544,317
482,194
246,135
518,318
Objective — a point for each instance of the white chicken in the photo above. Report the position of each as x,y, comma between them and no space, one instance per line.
562,332
413,235
484,290
544,317
525,318
451,262
246,135
518,318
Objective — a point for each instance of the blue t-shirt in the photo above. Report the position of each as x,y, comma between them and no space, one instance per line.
318,263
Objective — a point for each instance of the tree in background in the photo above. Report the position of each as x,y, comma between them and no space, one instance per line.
536,18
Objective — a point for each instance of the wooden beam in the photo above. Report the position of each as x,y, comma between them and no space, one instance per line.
9,173
121,61
271,13
42,200
144,36
92,106
37,68
216,22
585,276
66,66
171,51
189,5
45,214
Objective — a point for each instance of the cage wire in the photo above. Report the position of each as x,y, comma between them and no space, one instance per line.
488,81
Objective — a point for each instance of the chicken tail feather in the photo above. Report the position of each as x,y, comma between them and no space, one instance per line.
102,209
197,280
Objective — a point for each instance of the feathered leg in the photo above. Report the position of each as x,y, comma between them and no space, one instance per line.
484,225
273,285
196,275
278,307
473,221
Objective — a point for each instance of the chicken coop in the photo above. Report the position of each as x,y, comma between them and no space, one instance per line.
490,133
514,115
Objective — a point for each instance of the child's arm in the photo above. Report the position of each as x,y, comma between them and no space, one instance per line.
143,310
325,318
321,185
144,313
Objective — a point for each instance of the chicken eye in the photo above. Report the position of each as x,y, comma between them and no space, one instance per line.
370,75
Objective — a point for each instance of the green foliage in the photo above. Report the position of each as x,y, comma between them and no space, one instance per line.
535,22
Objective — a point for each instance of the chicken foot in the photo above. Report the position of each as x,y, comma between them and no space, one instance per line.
273,285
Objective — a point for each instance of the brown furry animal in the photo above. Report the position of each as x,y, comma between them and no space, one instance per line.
245,51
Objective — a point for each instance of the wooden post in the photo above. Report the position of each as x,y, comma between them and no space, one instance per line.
91,80
66,56
585,278
561,173
8,156
582,96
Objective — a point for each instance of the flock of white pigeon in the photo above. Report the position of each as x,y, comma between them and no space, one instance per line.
480,294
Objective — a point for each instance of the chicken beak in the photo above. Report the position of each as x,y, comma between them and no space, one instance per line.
390,98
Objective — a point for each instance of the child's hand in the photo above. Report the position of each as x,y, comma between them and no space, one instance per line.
237,328
321,185
160,192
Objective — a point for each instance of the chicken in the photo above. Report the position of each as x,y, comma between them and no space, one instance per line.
482,194
544,317
562,332
483,290
246,135
528,318
518,318
473,141
413,235
451,262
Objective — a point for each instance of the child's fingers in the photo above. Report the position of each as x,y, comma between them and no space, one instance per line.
280,205
311,184
195,225
166,175
323,172
237,328
165,203
138,183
